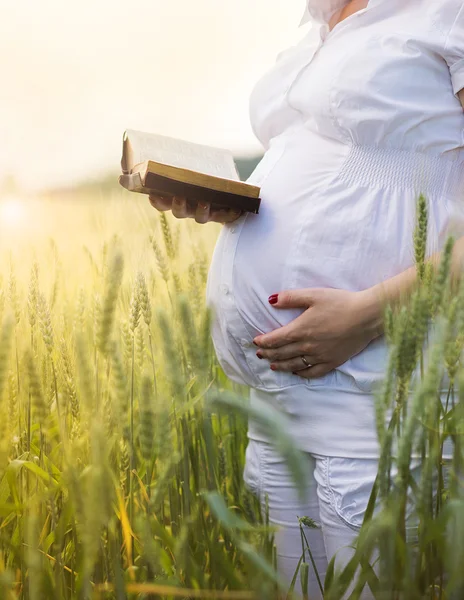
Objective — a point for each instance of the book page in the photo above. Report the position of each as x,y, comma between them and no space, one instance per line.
179,153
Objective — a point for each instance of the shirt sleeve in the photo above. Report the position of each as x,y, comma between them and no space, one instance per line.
454,51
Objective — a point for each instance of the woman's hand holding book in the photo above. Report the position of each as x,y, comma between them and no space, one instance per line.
202,212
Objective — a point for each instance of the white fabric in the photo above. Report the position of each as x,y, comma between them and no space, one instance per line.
454,53
355,123
321,11
337,494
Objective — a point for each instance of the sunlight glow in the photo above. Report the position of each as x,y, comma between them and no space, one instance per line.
12,211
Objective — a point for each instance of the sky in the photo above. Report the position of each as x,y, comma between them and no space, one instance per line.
76,74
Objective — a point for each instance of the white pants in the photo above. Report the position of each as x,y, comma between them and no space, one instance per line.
337,495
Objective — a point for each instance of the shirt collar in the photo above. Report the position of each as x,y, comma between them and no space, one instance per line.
321,11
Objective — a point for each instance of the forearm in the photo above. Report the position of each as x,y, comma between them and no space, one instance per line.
396,290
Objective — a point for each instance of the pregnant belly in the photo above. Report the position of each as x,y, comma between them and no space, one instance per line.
316,229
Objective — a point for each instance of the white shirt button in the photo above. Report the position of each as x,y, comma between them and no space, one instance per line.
245,343
225,289
232,230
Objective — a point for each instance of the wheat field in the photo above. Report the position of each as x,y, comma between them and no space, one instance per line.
122,442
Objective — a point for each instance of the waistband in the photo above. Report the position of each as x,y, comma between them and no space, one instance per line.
389,167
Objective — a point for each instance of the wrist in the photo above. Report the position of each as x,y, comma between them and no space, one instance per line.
372,311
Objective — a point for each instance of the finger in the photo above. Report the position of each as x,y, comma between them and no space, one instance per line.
280,337
293,332
202,212
315,371
292,365
179,207
231,216
160,203
303,298
285,352
224,215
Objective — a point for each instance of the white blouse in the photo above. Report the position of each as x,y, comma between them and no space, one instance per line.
355,123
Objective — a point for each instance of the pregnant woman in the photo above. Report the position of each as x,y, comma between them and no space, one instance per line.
356,120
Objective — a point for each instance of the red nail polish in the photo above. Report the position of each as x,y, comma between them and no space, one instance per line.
259,355
273,367
255,344
273,299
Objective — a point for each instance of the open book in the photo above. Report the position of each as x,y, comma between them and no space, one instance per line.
154,164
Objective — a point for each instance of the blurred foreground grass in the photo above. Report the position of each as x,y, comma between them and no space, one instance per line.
113,471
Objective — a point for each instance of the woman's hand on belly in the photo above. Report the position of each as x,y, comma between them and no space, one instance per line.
201,211
336,325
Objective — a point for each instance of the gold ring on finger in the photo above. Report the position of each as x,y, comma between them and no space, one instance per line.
305,362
